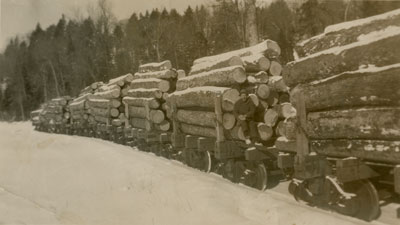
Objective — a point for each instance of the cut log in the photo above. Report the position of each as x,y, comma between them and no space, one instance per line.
138,112
163,126
275,68
278,84
67,115
268,48
217,64
151,67
96,85
82,97
256,63
117,122
224,77
101,119
181,74
162,85
228,121
124,91
157,116
164,106
229,98
151,102
165,96
265,132
108,88
100,112
140,123
114,112
379,87
163,74
115,103
270,117
199,97
364,123
198,130
263,91
287,128
78,105
200,118
145,93
367,51
99,103
114,93
347,33
286,110
121,81
258,78
255,99
375,150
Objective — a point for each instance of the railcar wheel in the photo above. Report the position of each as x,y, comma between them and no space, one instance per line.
365,205
252,174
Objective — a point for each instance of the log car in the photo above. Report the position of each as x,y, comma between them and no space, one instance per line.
347,175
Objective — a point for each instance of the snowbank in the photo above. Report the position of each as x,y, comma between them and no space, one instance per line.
77,180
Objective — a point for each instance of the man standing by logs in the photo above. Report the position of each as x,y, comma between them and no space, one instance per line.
244,110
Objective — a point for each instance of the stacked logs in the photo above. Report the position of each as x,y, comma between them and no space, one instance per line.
145,101
105,105
348,89
222,76
55,111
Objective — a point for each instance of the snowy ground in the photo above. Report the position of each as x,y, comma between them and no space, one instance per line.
59,179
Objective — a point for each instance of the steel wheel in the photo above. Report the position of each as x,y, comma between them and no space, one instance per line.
365,205
253,174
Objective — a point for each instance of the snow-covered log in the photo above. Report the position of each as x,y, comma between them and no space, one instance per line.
379,48
163,74
142,102
162,85
145,93
121,81
256,63
224,77
152,67
372,86
217,64
362,123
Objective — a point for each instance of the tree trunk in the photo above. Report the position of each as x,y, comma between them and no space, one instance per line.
199,97
256,63
145,93
163,74
199,118
348,58
198,130
251,22
268,48
345,35
228,121
376,89
95,103
265,132
157,116
229,98
224,77
140,123
162,85
270,117
363,123
142,102
275,68
218,64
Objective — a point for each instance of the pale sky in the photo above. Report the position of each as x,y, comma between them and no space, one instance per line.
21,16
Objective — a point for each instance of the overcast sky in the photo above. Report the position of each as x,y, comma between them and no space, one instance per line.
21,16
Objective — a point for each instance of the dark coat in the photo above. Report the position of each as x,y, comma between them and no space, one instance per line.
244,108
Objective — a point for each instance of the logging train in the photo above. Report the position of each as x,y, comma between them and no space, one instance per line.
328,121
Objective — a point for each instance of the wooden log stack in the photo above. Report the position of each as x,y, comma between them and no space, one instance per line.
347,80
55,111
145,106
222,76
105,105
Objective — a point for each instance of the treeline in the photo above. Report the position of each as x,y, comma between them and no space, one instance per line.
67,56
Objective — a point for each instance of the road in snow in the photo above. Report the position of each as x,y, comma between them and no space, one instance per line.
59,179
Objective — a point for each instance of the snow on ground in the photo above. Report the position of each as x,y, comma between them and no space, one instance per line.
59,179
